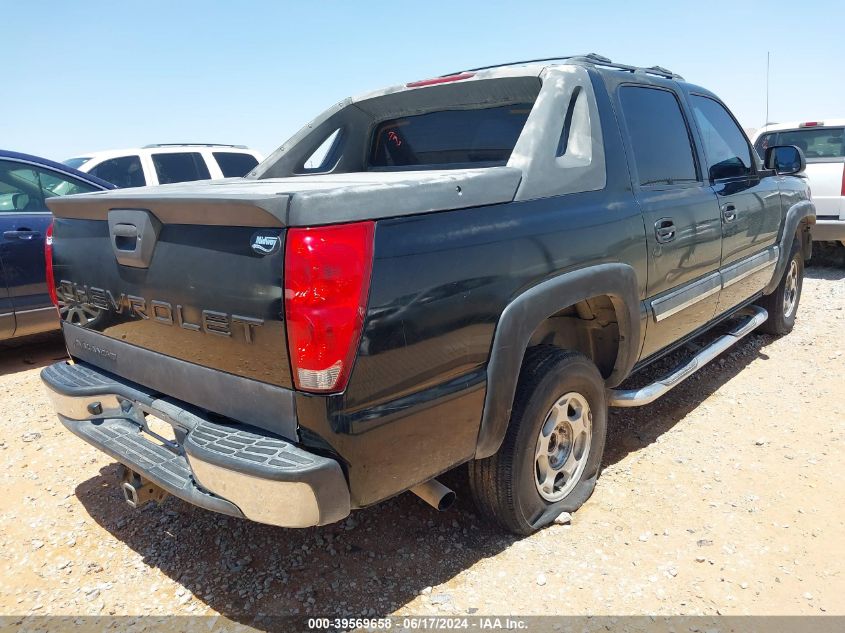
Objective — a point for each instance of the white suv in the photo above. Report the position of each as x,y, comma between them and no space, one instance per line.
166,163
823,143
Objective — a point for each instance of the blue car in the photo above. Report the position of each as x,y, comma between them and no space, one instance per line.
25,182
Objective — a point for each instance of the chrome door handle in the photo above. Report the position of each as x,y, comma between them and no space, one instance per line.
664,230
729,212
22,234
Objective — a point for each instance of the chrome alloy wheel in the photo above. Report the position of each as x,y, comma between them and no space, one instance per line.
790,289
72,311
563,446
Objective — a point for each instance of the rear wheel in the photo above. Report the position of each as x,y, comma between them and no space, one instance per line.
782,304
550,458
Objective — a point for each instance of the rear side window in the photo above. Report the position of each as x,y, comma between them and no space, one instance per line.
234,164
815,142
659,136
180,167
450,137
125,171
727,150
55,184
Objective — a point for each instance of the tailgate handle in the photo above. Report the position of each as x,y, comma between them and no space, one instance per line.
125,237
134,234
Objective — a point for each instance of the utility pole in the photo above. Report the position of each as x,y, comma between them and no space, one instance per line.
766,122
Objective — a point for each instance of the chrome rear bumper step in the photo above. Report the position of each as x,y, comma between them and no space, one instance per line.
755,317
227,467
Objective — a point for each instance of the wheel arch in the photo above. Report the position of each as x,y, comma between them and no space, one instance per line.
797,222
524,315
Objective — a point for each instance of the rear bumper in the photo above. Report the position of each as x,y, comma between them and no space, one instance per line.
230,468
828,230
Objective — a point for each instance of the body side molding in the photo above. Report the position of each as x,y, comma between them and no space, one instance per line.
527,311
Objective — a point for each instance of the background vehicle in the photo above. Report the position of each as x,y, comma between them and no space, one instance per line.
575,219
26,182
823,144
167,163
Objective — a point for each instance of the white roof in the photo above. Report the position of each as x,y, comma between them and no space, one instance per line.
794,125
115,153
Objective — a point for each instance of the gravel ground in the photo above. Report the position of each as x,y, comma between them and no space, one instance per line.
724,497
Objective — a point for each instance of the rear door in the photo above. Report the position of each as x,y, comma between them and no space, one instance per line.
7,312
749,202
22,246
680,213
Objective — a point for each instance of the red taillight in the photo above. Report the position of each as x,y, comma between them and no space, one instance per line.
48,260
439,80
327,280
811,124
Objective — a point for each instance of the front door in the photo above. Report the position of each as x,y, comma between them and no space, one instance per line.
680,213
749,202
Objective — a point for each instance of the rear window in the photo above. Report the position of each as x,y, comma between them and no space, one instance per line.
235,164
449,137
814,142
180,167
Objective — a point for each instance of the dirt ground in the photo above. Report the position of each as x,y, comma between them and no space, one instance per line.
724,497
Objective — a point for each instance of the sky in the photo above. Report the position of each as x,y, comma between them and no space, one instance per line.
88,76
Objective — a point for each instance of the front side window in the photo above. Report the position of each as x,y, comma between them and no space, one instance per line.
180,167
235,164
659,136
449,137
20,189
725,145
125,171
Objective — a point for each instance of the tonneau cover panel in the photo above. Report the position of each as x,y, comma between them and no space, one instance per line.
303,200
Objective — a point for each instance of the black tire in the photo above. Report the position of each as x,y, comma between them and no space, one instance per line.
504,485
782,319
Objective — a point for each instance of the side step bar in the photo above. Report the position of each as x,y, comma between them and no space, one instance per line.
756,316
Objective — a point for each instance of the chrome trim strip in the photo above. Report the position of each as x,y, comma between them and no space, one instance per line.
686,296
746,267
650,393
47,309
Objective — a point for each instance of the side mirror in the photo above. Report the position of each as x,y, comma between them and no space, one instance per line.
785,160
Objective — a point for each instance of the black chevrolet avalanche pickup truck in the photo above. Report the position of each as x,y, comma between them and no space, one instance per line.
459,270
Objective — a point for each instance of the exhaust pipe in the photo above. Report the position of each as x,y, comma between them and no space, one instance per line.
138,491
435,494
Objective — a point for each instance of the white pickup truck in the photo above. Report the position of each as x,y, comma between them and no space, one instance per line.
823,144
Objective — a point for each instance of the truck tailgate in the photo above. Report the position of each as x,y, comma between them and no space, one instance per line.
190,285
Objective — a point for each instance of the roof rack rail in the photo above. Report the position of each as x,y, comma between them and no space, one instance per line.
151,145
590,58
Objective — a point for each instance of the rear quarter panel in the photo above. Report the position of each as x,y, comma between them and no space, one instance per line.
440,283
